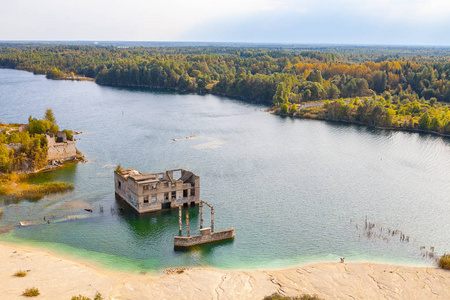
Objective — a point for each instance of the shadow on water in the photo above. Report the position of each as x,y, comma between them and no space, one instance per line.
156,224
361,128
205,248
156,91
169,92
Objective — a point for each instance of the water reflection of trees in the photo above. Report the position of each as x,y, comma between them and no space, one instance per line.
65,173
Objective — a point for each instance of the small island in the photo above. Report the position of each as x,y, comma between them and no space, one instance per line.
31,148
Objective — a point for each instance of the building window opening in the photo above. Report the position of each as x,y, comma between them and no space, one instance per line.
176,175
146,199
185,193
119,184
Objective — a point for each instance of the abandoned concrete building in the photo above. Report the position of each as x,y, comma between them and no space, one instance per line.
153,192
60,148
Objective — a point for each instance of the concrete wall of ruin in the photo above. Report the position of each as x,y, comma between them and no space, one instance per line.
183,241
134,193
61,151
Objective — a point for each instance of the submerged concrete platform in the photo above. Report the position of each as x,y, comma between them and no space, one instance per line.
206,237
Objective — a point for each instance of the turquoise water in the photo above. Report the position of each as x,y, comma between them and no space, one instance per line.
297,191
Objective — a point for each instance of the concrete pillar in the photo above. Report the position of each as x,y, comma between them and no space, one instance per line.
201,214
180,221
212,219
187,224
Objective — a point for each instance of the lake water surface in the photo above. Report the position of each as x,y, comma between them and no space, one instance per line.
297,191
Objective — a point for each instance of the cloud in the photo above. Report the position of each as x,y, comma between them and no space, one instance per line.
115,20
344,22
291,21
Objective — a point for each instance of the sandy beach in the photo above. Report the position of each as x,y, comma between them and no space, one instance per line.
61,278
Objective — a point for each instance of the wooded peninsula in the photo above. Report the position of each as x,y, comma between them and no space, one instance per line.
33,147
388,87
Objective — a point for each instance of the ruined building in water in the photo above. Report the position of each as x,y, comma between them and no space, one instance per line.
60,148
152,192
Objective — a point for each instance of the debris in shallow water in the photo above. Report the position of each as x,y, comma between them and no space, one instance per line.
375,231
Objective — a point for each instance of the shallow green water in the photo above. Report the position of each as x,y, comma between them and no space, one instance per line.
297,191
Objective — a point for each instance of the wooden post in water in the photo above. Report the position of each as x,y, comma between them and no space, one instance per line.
201,214
212,219
187,224
180,221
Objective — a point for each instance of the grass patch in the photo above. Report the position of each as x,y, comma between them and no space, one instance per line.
16,187
444,262
32,292
98,296
20,273
277,296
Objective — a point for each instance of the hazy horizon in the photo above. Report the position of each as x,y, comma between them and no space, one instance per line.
340,22
219,43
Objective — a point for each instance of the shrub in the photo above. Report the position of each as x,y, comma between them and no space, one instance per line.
80,297
424,121
36,126
20,273
284,108
98,296
293,108
444,262
32,292
69,134
54,74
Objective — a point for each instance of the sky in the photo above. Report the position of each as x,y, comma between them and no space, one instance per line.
365,22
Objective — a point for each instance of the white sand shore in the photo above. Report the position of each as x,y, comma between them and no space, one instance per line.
60,278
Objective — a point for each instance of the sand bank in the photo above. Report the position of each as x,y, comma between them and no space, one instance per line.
60,278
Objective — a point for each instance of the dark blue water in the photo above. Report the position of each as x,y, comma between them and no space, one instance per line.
297,191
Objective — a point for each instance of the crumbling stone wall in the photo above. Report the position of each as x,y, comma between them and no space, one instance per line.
60,151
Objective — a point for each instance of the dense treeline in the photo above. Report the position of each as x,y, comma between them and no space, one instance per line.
383,111
269,76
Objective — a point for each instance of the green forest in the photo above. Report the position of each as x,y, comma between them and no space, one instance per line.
25,149
408,83
380,111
